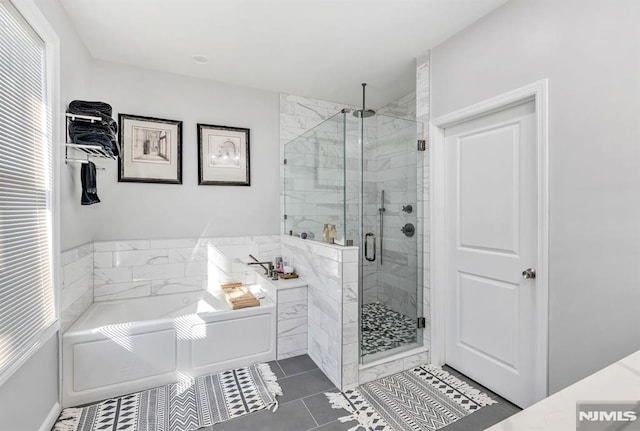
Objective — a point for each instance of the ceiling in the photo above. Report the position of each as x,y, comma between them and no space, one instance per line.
316,48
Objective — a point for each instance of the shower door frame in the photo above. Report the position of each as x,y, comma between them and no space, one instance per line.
420,246
539,92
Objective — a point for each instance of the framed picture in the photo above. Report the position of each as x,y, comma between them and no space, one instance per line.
150,150
223,156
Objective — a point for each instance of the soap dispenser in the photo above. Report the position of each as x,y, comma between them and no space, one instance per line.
325,233
333,234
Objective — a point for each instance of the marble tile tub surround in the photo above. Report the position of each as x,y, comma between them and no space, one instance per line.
76,294
227,258
132,268
292,301
128,269
227,262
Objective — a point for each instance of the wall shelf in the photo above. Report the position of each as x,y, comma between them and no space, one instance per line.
74,117
95,151
89,151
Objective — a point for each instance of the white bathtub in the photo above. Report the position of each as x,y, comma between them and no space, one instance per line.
122,346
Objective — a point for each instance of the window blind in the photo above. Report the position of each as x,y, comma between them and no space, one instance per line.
26,287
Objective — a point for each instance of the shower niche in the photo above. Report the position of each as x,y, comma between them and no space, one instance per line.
361,171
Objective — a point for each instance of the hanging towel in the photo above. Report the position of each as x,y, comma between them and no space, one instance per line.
89,185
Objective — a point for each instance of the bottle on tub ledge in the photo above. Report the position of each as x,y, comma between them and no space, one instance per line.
325,233
333,234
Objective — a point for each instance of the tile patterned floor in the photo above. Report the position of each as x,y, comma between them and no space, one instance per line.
303,407
486,416
385,329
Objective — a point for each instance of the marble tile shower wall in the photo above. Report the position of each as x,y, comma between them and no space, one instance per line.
314,183
422,116
404,107
298,115
350,319
319,186
321,265
396,174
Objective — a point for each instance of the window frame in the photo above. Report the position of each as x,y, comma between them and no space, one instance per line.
34,17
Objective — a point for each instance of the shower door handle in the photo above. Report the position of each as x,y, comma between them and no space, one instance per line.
366,247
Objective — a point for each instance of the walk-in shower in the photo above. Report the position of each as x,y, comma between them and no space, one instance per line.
359,171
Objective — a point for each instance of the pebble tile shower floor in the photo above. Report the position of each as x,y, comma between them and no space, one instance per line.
385,329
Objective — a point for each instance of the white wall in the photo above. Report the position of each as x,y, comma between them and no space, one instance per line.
75,74
590,51
134,211
29,395
141,211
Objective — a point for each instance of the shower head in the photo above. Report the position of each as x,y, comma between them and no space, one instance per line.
361,113
364,113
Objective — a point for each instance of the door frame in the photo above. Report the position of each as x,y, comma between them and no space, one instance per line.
538,92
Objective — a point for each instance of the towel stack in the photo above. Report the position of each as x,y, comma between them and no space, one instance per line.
238,296
101,133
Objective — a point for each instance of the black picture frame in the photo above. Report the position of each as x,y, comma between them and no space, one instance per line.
223,156
150,150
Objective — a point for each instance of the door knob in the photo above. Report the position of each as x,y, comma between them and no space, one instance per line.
529,273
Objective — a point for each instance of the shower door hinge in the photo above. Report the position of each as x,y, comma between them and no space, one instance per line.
422,322
422,145
284,162
285,216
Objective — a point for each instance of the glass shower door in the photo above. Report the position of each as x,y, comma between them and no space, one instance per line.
391,291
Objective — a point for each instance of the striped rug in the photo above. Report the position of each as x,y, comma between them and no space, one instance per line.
425,398
183,406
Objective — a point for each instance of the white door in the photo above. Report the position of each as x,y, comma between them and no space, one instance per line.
491,224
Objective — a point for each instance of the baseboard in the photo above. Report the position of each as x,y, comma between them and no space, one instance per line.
51,418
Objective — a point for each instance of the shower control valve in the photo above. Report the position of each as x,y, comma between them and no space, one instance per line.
408,229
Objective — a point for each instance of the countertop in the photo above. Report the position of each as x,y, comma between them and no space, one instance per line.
282,283
617,382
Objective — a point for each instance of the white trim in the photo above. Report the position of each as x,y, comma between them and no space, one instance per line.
538,91
51,418
38,341
438,246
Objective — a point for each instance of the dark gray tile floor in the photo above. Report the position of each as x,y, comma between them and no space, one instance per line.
303,406
486,416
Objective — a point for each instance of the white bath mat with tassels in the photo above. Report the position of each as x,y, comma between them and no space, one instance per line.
183,406
425,398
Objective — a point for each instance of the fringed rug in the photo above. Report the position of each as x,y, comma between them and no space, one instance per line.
425,398
183,406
